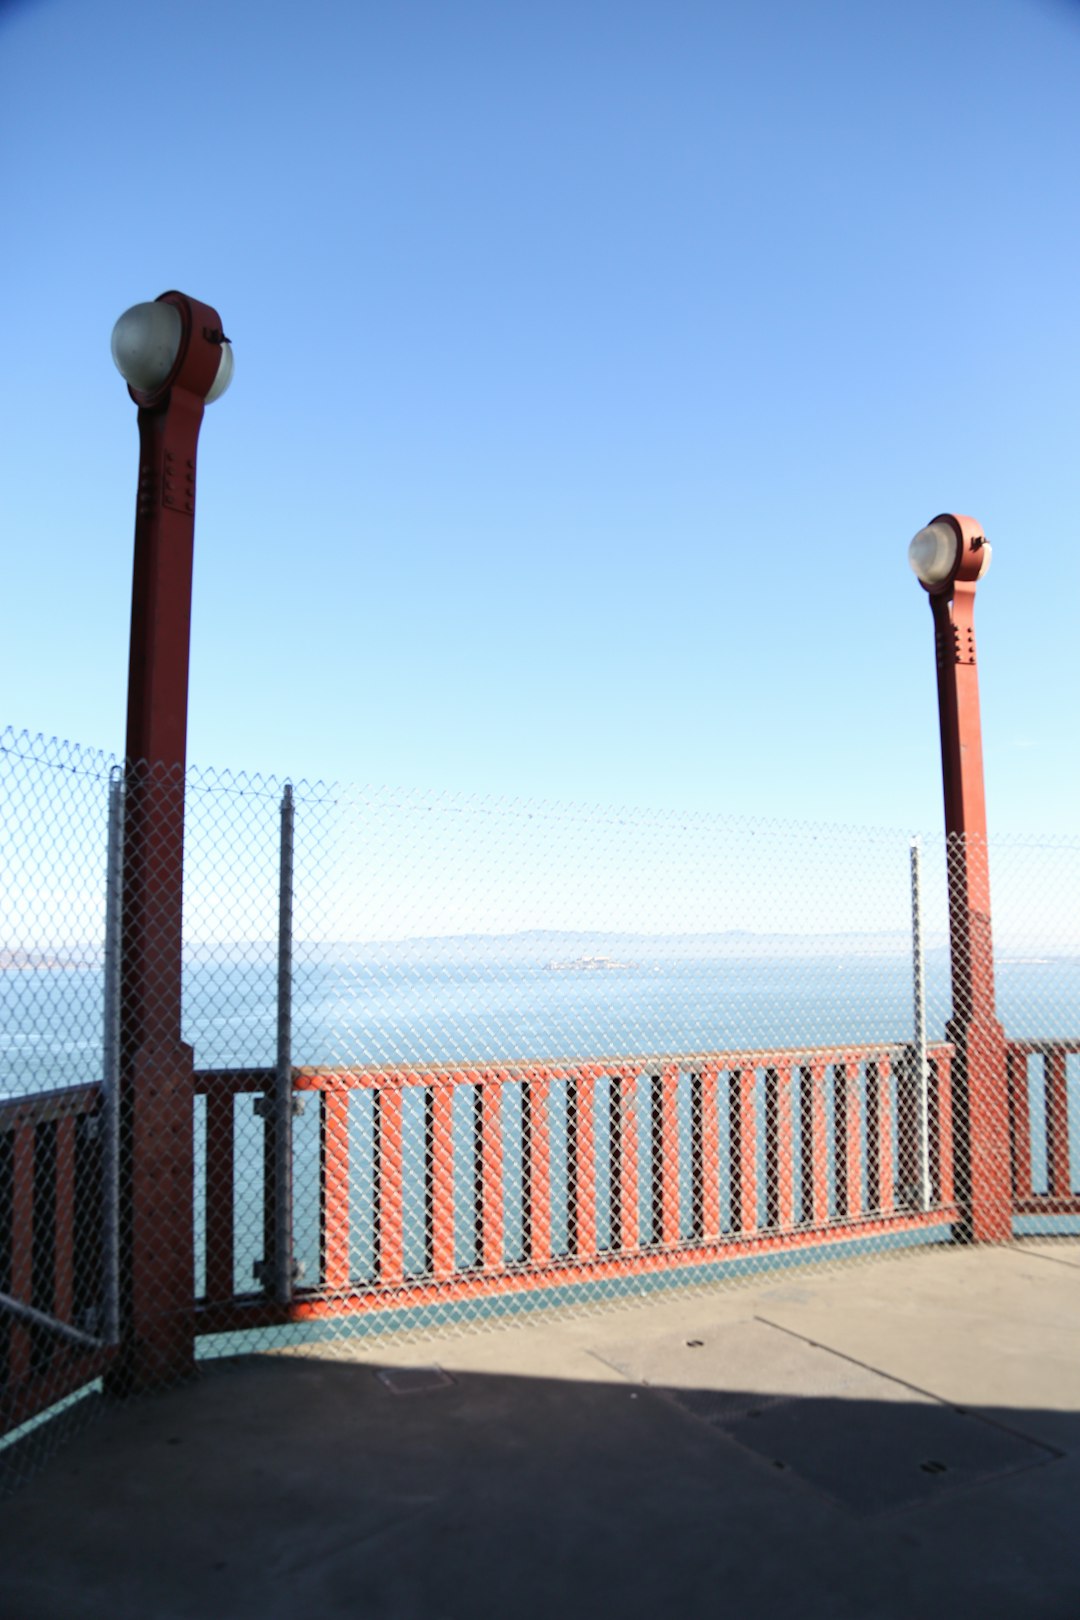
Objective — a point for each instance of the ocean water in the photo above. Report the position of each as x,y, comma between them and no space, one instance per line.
369,1011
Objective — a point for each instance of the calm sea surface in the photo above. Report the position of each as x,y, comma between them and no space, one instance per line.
442,1012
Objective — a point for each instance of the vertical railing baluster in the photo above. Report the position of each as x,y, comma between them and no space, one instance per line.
879,1172
656,1159
491,1150
909,1097
428,1176
64,1273
334,1179
7,1242
710,1155
263,1270
572,1165
1057,1123
839,1209
389,1187
43,1284
819,1144
697,1157
538,1188
942,1137
744,1169
220,1195
735,1148
441,1094
804,1082
1019,1121
582,1165
624,1163
848,1075
478,1172
669,1157
883,1134
22,1247
783,1213
89,1259
614,1162
873,1137
772,1149
749,1139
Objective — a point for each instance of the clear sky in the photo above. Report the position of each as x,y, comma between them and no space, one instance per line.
596,360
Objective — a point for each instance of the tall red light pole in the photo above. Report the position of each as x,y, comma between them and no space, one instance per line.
950,556
175,359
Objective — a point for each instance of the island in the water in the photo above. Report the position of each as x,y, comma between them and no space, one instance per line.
589,964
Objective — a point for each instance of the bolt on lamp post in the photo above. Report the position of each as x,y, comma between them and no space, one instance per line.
950,556
175,358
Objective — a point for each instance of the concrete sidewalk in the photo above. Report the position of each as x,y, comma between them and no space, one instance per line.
898,1438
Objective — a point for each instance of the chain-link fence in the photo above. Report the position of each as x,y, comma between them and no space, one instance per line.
425,1059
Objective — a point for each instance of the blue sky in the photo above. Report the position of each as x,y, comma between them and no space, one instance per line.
595,363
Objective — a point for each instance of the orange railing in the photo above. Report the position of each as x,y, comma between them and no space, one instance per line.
661,1164
505,1180
565,1175
51,1248
1051,1099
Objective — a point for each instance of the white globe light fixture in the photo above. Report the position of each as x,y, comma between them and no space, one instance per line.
145,345
932,553
226,366
152,344
947,550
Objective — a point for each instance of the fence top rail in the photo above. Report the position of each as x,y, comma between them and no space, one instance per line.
1046,1048
333,1077
41,1106
239,1081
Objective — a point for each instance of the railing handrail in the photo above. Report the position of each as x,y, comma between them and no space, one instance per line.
60,1102
1040,1047
312,1077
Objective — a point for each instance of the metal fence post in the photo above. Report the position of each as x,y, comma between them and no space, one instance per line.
114,866
921,1063
284,1270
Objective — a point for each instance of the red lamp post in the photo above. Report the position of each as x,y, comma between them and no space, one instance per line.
175,359
950,556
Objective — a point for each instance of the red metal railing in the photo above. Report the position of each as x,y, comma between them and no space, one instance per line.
1051,1100
727,1177
654,1164
50,1248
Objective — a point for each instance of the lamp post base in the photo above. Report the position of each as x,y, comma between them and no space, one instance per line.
157,1336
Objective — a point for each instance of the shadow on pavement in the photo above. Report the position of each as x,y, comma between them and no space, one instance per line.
295,1486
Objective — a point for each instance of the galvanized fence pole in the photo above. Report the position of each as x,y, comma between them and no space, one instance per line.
921,1062
284,1270
114,870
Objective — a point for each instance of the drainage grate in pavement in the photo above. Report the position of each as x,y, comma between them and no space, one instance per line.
412,1380
866,1441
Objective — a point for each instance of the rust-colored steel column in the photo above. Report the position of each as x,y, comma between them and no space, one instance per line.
172,362
979,1077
